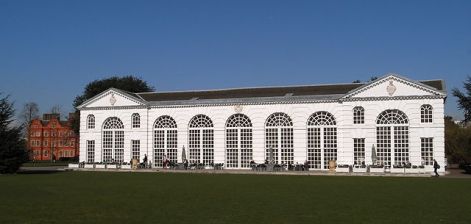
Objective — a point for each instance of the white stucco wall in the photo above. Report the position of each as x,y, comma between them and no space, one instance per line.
299,113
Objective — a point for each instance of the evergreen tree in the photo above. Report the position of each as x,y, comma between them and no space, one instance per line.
464,99
126,83
12,146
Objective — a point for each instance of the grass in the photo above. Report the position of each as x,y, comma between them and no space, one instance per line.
100,197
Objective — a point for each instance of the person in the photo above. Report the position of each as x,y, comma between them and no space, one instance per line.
436,167
186,164
164,161
145,160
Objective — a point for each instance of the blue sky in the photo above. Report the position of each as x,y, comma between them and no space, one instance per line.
49,50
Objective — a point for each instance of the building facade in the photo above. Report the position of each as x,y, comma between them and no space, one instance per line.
392,120
52,139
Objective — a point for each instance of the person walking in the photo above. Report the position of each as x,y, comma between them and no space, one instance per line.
436,167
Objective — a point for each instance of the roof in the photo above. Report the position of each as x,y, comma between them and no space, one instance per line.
319,92
307,93
251,92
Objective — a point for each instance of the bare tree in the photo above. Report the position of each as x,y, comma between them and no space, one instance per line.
56,109
29,112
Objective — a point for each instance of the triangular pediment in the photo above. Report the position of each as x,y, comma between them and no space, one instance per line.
393,85
112,98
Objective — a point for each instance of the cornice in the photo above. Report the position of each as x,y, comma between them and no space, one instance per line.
271,103
115,108
387,98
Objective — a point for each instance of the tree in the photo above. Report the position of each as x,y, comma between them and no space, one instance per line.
457,142
357,81
29,113
464,99
126,83
373,78
56,109
12,146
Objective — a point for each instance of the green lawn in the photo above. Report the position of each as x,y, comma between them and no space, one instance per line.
99,197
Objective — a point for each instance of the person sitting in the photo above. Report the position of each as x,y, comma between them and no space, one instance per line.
186,164
164,161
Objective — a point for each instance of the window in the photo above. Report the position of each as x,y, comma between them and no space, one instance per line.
136,149
322,140
426,148
392,135
90,121
358,115
136,121
113,140
46,153
426,113
119,147
279,138
359,151
201,140
45,143
46,134
165,140
90,151
238,141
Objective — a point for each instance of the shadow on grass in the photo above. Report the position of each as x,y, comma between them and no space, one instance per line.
28,172
39,170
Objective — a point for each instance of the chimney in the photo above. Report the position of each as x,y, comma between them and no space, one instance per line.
48,117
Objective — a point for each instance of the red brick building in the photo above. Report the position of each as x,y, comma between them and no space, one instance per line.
52,139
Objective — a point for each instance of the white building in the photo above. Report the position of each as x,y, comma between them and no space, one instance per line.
401,118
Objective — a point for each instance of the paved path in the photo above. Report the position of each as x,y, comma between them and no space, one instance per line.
457,173
250,172
451,173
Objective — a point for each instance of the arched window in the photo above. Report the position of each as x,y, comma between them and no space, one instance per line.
426,111
358,115
392,135
136,120
165,140
321,140
113,140
90,121
392,117
201,140
238,141
279,138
